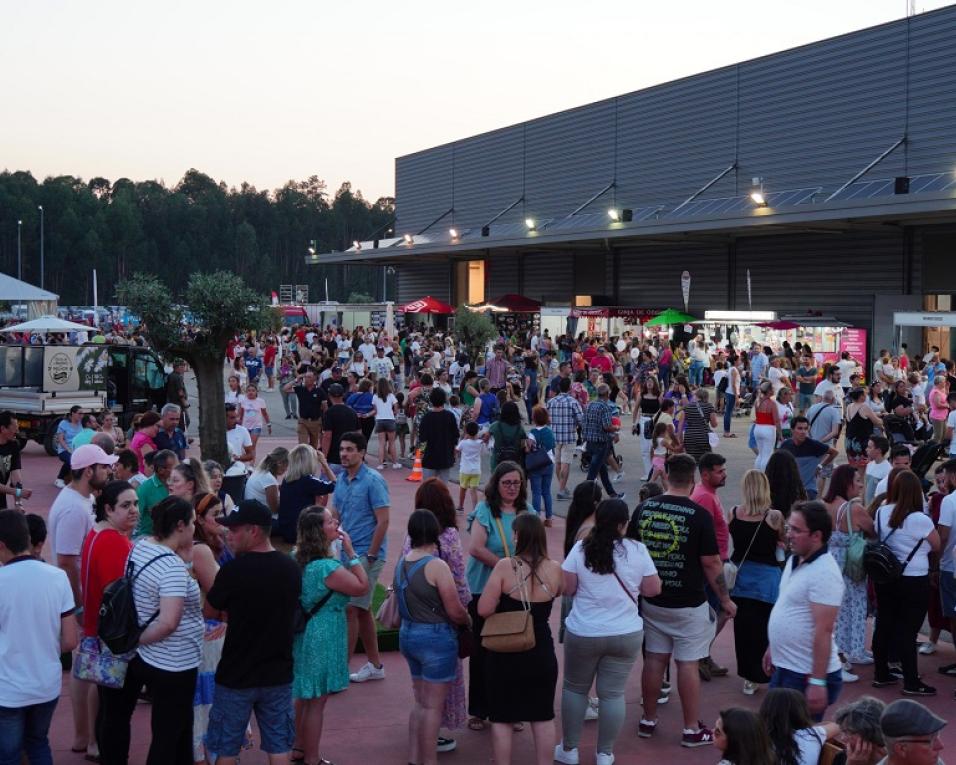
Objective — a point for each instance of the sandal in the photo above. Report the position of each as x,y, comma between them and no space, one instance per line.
476,723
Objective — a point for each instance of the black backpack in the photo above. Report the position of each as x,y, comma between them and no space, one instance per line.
879,562
119,624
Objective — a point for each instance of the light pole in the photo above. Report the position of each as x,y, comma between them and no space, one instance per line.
40,208
19,252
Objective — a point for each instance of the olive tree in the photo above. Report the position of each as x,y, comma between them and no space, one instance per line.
474,329
196,326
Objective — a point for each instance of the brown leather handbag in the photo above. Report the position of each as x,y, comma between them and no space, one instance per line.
511,631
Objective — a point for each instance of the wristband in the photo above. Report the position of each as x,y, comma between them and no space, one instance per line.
356,561
817,682
19,492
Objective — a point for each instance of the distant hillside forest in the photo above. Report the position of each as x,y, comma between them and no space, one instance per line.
123,227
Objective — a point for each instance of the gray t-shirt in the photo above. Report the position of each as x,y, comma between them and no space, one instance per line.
824,418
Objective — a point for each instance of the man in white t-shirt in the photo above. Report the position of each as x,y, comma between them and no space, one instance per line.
367,349
877,466
381,365
899,457
36,625
239,443
802,653
947,554
832,382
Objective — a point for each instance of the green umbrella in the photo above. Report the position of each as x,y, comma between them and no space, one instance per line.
670,316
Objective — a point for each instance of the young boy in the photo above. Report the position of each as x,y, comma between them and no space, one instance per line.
470,449
877,467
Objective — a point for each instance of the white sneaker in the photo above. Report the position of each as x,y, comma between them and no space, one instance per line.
367,672
567,757
749,688
396,466
604,758
864,659
849,677
59,484
591,713
618,477
381,467
927,649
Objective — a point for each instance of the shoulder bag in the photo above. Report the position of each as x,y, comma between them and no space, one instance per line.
94,662
511,631
389,614
731,568
504,539
855,549
538,459
879,561
301,617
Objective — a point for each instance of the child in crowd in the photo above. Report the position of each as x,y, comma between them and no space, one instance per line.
454,404
469,450
877,466
401,423
37,527
253,413
666,445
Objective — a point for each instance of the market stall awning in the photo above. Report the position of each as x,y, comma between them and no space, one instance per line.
632,315
670,316
517,303
778,324
427,304
47,324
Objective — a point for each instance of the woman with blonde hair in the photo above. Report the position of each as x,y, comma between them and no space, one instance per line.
188,479
756,529
263,484
308,481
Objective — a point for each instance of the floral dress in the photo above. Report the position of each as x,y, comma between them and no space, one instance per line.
454,714
850,631
320,654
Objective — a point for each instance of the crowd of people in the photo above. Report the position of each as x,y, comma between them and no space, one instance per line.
253,581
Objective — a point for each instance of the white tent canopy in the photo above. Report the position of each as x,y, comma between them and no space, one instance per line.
39,302
47,324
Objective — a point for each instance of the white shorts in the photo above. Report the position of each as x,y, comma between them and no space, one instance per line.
564,454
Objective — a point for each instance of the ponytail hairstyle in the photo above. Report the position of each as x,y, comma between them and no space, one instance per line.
273,460
192,470
601,541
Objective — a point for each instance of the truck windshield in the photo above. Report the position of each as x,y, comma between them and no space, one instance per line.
147,373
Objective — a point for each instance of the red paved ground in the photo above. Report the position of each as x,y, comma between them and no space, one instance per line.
367,723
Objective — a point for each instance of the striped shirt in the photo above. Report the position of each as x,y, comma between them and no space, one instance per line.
565,413
167,578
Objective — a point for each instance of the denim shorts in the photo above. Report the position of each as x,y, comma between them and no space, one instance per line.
230,713
431,650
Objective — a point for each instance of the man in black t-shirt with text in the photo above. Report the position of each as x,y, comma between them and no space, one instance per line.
680,538
259,592
10,461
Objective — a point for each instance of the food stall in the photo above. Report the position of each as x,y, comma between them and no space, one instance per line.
609,321
434,309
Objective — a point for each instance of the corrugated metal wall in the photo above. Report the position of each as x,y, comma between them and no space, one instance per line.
549,277
857,266
650,277
416,281
809,116
502,275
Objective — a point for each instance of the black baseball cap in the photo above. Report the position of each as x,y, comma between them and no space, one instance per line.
249,512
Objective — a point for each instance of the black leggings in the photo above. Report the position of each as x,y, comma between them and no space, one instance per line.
171,721
900,610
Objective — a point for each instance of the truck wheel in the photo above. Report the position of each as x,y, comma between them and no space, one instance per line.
48,439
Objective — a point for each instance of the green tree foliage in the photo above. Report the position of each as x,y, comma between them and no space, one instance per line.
122,227
213,307
474,329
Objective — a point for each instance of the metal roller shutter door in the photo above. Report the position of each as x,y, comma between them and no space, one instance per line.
424,279
649,277
837,275
549,277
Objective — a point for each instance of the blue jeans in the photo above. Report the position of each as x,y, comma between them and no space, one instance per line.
541,487
785,678
664,373
695,373
24,730
730,401
598,454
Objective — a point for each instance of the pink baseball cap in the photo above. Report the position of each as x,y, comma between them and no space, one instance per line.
90,454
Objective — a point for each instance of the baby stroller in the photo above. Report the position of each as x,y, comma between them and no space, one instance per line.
745,404
899,430
586,459
925,457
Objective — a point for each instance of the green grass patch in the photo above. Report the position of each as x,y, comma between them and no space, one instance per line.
387,638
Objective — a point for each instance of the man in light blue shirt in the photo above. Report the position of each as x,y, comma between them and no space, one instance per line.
361,499
759,364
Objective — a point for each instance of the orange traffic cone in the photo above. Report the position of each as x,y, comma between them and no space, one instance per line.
417,468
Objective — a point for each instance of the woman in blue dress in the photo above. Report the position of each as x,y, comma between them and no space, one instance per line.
320,653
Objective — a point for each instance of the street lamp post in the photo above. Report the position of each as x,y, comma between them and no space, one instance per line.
19,252
40,208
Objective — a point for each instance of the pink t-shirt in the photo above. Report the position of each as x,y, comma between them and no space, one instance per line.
252,412
602,362
707,498
139,440
938,409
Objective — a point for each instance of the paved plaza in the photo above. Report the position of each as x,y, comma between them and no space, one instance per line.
367,723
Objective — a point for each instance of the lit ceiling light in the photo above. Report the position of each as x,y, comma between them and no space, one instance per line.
357,245
312,251
614,214
409,239
624,215
529,222
453,233
758,198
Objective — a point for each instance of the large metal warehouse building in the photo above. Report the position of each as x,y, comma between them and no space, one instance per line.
851,141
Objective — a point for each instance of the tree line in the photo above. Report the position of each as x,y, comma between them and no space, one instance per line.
124,227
